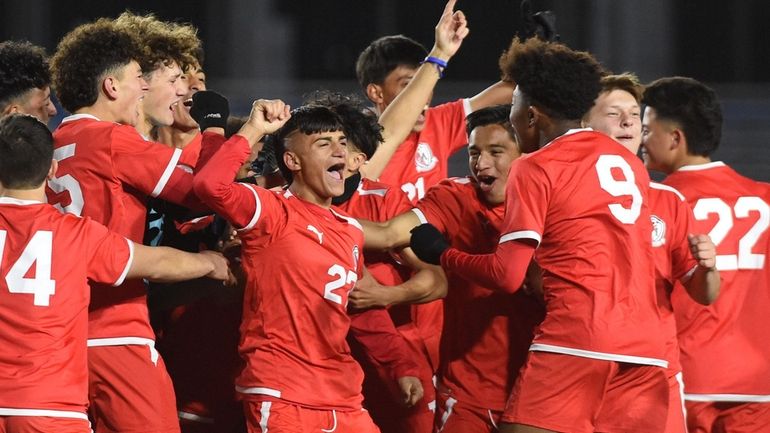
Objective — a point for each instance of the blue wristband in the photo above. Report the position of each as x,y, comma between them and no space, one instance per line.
440,64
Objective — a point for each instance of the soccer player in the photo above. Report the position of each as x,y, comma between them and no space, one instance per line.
682,127
301,260
25,82
384,69
580,199
486,333
107,171
46,259
167,50
679,255
388,352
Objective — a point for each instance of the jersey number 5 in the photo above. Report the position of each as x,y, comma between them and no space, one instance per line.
38,251
745,259
619,188
67,183
344,278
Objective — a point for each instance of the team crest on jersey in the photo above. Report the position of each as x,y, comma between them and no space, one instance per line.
658,231
355,257
424,160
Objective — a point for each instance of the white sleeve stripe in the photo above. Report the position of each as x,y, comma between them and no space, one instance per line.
737,398
7,411
664,187
420,215
523,234
259,390
129,262
257,209
167,173
467,106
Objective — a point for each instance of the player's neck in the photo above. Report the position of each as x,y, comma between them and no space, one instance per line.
555,129
304,192
37,194
691,160
174,137
143,126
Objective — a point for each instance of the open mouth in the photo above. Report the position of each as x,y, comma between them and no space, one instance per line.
486,182
335,171
187,103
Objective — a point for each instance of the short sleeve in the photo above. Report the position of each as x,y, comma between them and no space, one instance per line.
527,196
439,206
396,203
109,254
145,165
267,213
682,261
450,119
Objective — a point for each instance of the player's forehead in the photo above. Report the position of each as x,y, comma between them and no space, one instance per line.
617,98
490,136
165,70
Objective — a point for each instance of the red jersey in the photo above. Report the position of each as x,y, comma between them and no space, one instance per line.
46,260
421,161
731,334
106,172
486,333
672,221
301,261
191,152
584,199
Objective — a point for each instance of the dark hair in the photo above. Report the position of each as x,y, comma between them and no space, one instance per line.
561,82
307,119
23,67
84,56
384,55
26,150
162,42
494,115
693,106
359,122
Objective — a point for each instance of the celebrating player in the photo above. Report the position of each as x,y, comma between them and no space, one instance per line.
25,82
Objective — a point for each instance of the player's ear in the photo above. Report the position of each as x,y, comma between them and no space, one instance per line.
52,170
374,93
677,138
292,161
358,159
533,115
110,87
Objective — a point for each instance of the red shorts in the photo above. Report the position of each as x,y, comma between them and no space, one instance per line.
128,392
280,417
453,416
575,394
727,417
675,422
43,424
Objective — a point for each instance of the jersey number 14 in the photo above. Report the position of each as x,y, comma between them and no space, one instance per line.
37,252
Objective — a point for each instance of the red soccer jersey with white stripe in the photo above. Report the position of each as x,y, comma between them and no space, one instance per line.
672,221
583,198
486,333
421,161
106,172
724,346
301,261
46,260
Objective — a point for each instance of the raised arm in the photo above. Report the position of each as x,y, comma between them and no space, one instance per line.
399,118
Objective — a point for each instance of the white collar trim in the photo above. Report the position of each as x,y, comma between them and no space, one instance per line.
699,167
74,117
20,202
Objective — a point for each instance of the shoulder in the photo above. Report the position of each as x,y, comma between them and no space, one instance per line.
663,190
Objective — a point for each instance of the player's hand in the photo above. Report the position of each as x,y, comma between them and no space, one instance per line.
428,243
221,268
411,390
210,109
451,29
268,115
703,250
368,293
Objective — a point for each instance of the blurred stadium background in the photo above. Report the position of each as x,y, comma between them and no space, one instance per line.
286,48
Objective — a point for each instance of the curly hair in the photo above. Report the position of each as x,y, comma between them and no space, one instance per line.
627,82
384,55
162,42
307,119
359,122
23,66
562,82
693,106
84,56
